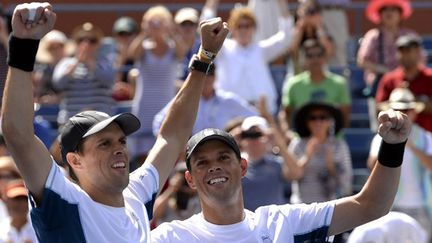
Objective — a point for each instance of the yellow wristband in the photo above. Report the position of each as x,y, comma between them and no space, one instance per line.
203,54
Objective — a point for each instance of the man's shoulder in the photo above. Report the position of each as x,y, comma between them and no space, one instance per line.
335,78
395,74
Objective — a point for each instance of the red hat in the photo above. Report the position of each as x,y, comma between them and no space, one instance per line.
374,7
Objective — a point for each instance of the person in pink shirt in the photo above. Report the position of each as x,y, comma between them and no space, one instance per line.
377,53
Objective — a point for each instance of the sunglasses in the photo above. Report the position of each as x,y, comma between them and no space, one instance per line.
314,55
91,40
124,33
244,26
188,24
251,134
312,11
318,118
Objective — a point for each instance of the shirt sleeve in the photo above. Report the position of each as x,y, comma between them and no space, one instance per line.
309,222
60,78
367,50
60,201
375,144
277,44
144,185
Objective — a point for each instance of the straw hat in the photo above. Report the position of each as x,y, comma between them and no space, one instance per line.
374,7
53,37
401,99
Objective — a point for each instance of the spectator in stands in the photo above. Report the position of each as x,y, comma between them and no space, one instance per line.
51,52
309,25
124,31
84,79
243,64
8,172
216,108
324,158
414,196
187,20
377,52
410,73
156,53
393,227
316,84
178,201
4,36
335,22
265,170
17,227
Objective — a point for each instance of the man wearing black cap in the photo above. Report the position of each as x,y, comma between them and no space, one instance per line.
412,74
107,204
215,170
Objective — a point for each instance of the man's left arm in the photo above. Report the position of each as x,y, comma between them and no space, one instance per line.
376,197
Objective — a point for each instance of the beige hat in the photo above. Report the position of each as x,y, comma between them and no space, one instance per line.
186,14
255,121
401,99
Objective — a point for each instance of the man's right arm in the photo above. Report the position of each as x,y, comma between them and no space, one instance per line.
29,153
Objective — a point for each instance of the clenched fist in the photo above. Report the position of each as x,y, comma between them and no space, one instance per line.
394,126
32,20
213,34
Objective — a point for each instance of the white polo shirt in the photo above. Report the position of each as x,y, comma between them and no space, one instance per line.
284,223
68,214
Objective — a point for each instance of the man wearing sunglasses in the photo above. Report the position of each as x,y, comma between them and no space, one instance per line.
316,84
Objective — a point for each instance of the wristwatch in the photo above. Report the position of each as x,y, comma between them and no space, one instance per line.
196,64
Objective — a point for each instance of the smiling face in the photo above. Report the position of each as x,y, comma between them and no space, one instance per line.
216,174
102,165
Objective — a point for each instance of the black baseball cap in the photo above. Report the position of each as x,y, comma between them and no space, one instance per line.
209,134
408,40
87,123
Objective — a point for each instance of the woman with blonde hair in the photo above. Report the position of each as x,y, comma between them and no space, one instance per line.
157,51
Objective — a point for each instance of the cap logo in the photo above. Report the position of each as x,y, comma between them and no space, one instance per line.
208,133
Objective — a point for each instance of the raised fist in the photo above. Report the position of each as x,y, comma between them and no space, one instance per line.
32,20
213,33
394,126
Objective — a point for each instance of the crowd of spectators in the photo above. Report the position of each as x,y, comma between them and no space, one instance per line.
292,136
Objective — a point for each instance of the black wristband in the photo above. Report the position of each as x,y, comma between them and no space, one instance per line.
391,155
22,53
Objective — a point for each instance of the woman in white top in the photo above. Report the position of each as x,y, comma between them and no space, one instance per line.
243,64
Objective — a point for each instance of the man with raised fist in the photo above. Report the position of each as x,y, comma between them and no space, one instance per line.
105,204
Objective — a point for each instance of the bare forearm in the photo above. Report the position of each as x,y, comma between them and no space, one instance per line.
135,49
183,110
425,159
17,112
374,200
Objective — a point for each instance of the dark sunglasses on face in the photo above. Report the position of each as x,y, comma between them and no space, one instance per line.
244,26
90,40
318,118
251,134
188,24
314,55
124,33
312,11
